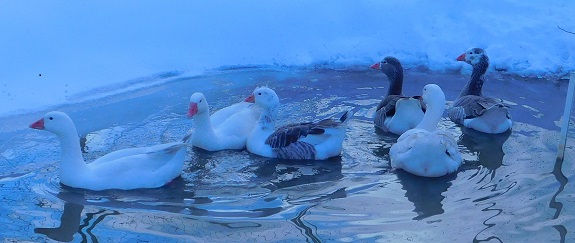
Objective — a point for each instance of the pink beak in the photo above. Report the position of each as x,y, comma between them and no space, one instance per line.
192,110
39,124
375,66
461,57
251,99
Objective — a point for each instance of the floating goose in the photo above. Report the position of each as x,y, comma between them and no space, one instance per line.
310,140
424,150
147,167
471,109
229,133
396,113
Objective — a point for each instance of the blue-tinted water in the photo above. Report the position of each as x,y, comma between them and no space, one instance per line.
510,188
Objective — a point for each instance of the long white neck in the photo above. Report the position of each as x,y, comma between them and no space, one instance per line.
72,161
433,114
203,126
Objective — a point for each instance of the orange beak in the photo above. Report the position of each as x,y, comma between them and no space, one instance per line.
251,99
39,124
461,57
192,110
375,66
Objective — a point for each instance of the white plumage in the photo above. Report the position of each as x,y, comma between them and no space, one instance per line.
228,129
147,167
424,150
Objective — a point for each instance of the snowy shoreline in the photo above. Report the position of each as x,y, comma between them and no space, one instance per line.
55,50
164,78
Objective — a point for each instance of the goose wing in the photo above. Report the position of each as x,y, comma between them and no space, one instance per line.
310,132
471,106
141,157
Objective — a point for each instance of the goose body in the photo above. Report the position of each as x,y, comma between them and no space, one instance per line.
473,110
424,150
220,134
221,115
396,113
309,140
147,167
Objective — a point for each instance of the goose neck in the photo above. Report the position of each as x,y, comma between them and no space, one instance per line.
475,84
268,118
202,121
432,115
396,83
71,153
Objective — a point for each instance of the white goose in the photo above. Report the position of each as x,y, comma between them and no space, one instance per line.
424,150
396,113
229,133
147,167
311,140
471,109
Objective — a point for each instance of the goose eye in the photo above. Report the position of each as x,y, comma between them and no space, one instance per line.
259,93
200,101
384,62
51,118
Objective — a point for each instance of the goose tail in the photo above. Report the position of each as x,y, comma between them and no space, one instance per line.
345,117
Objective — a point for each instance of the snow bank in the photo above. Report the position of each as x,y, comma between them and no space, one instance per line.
53,50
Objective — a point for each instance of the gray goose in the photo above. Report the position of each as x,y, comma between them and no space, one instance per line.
396,113
473,110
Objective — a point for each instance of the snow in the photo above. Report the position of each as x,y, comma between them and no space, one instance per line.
55,52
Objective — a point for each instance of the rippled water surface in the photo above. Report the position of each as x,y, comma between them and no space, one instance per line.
510,188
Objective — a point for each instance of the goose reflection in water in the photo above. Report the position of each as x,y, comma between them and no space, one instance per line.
169,198
70,221
69,224
488,147
284,173
425,192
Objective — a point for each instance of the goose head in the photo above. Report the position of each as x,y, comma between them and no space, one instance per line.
265,98
55,122
474,56
390,66
433,96
198,105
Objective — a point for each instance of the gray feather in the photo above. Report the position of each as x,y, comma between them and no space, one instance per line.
471,106
291,133
296,150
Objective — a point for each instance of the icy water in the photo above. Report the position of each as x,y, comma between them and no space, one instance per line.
510,189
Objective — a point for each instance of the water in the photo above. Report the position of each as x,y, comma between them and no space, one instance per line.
510,188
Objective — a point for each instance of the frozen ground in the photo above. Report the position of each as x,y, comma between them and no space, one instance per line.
55,52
